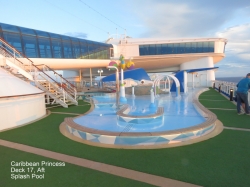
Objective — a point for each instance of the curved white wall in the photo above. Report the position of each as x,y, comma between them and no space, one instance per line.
204,78
219,46
15,111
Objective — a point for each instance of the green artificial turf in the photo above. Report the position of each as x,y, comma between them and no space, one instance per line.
230,118
80,109
213,99
220,161
68,175
218,104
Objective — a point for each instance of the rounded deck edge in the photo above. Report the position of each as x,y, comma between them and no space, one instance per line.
144,140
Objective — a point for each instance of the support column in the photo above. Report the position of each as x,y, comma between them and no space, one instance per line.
193,80
122,91
117,88
90,74
152,99
80,75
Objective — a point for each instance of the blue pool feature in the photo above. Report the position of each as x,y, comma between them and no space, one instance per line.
173,120
178,113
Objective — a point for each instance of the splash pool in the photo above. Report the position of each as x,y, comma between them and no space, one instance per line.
172,120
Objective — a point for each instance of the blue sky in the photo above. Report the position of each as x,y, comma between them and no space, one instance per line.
98,19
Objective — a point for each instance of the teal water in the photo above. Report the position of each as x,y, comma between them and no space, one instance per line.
178,113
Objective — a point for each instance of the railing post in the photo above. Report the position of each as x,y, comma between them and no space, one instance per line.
64,95
231,94
14,56
75,93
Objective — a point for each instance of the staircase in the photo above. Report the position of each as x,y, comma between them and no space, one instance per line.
57,89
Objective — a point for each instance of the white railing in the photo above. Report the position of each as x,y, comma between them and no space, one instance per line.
159,78
35,72
225,87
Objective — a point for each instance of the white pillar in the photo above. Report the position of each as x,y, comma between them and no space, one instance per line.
152,99
90,74
122,89
80,75
193,80
133,91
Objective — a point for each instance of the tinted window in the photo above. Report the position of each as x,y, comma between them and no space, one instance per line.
41,33
44,47
30,46
14,40
210,46
54,36
57,49
182,48
9,28
27,31
169,48
76,49
164,48
141,50
67,50
158,49
193,48
188,48
84,50
152,50
199,47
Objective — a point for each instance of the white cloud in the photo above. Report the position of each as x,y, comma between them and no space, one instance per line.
77,34
182,19
172,19
237,59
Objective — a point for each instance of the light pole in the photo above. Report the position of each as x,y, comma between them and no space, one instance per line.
100,71
117,84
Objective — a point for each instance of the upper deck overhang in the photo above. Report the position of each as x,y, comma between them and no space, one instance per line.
149,63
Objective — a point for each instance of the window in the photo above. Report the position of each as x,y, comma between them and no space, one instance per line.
199,47
141,50
27,31
30,46
152,50
91,50
193,47
67,49
35,43
41,33
169,48
14,40
210,46
9,28
188,47
84,49
158,49
76,48
56,48
44,47
175,47
164,48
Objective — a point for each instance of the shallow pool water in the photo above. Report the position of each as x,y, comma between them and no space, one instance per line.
179,113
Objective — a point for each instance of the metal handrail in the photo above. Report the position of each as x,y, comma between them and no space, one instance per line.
12,56
60,76
7,54
9,51
10,46
69,88
31,63
11,96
